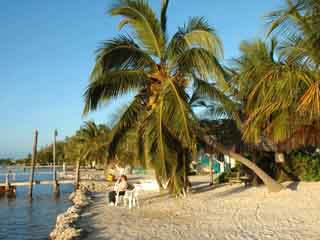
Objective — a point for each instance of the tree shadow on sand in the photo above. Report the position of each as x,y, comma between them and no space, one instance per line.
293,186
235,190
200,187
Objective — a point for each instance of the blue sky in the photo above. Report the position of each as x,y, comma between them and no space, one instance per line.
47,52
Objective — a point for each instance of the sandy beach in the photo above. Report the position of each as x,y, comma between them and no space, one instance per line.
218,212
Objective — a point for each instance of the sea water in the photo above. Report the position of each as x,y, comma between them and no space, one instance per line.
22,219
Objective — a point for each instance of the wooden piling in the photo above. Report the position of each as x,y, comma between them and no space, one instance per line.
33,161
56,189
7,186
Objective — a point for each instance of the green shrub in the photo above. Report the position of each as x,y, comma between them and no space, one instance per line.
306,167
224,177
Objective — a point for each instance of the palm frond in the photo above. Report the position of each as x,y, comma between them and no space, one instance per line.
309,103
298,23
196,33
163,15
140,16
127,121
178,115
200,62
121,53
226,105
112,85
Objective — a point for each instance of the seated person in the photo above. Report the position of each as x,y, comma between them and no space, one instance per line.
120,187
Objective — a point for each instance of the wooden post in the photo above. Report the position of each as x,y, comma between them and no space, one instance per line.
7,187
55,181
33,161
77,175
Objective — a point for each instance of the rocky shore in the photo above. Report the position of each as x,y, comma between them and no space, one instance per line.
66,227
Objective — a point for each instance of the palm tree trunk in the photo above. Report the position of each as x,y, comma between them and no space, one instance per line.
270,183
281,175
255,179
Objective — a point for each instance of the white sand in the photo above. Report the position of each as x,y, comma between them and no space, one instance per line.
221,212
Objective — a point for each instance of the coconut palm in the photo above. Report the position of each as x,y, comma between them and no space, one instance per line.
269,122
250,100
257,73
93,140
298,26
159,71
88,145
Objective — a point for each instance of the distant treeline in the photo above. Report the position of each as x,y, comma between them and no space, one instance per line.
89,145
9,161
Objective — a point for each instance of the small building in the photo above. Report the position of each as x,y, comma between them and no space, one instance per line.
219,164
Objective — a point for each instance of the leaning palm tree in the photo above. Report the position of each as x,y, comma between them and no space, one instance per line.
159,71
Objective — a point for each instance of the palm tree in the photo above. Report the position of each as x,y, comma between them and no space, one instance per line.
268,120
298,27
248,98
159,71
94,140
88,145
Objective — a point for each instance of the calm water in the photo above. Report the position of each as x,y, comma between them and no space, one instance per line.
21,219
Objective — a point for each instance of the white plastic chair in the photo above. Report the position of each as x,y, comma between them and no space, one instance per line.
116,189
118,198
131,196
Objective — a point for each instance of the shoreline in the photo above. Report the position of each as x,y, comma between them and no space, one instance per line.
66,223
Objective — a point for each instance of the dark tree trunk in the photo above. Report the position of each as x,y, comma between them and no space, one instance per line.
255,178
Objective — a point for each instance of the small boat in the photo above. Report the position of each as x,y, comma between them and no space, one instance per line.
2,190
10,191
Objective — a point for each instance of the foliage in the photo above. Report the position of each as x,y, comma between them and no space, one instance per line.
224,177
89,143
6,161
45,154
306,167
297,25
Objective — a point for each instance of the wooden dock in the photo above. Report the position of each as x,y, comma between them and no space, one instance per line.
25,174
37,182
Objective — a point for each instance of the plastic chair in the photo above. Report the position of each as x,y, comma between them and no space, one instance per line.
131,196
116,189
